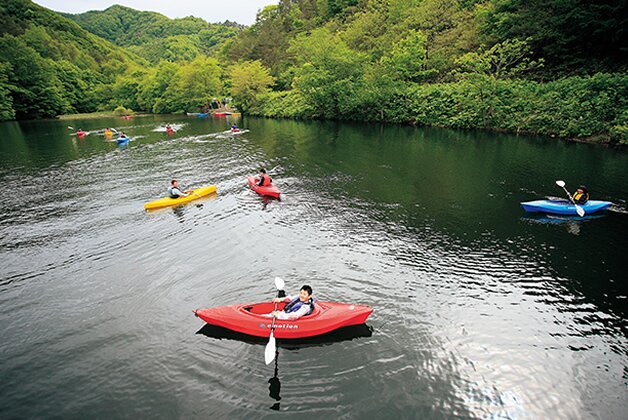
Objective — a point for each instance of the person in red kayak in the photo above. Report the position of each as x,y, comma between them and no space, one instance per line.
175,192
296,306
264,179
581,195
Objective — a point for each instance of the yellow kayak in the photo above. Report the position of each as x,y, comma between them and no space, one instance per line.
167,201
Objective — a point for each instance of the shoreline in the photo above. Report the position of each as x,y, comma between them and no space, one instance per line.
598,139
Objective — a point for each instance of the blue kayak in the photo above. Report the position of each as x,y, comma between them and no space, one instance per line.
564,206
122,140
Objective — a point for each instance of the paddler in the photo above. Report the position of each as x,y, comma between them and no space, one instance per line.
264,180
175,192
581,195
296,306
108,132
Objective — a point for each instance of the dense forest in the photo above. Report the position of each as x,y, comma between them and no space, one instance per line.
154,36
554,67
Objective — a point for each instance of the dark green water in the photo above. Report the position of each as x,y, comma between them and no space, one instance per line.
480,311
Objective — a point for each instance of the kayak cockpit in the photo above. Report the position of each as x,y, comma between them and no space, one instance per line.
268,307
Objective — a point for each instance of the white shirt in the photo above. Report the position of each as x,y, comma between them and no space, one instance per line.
303,310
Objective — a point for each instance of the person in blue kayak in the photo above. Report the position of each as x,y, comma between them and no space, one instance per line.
175,192
296,306
581,195
264,180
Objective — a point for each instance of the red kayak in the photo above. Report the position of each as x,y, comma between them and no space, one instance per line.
270,190
248,319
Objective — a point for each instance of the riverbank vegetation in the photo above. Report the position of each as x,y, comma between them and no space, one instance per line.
555,67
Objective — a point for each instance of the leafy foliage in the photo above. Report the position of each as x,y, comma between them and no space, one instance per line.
155,36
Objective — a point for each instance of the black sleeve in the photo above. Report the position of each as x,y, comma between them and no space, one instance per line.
261,181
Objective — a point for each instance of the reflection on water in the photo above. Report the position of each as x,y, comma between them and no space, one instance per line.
479,312
572,224
274,384
341,334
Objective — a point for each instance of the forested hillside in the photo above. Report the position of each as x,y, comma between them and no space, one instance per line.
49,65
155,36
554,67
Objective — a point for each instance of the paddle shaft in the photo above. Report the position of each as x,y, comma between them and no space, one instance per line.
569,195
272,325
579,209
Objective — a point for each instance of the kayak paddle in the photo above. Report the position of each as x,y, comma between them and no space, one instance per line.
271,347
579,209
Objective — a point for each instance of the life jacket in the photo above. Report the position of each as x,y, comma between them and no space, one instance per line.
267,181
580,198
296,303
172,195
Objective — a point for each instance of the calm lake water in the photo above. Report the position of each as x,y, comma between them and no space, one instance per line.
480,311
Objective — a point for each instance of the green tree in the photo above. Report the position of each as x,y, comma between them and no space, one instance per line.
248,80
407,58
6,102
508,59
327,72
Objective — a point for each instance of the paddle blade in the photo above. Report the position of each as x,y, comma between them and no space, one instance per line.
271,348
560,183
279,284
580,211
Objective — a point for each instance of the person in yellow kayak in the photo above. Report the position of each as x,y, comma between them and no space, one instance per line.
175,192
581,195
296,306
108,132
264,179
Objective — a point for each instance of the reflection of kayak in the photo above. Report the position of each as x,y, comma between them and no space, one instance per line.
335,336
564,206
270,191
122,140
167,201
248,319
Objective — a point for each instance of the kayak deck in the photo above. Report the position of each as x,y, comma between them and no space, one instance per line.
249,319
167,201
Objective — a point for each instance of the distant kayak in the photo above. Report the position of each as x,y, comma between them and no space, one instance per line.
167,201
564,207
270,190
248,319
